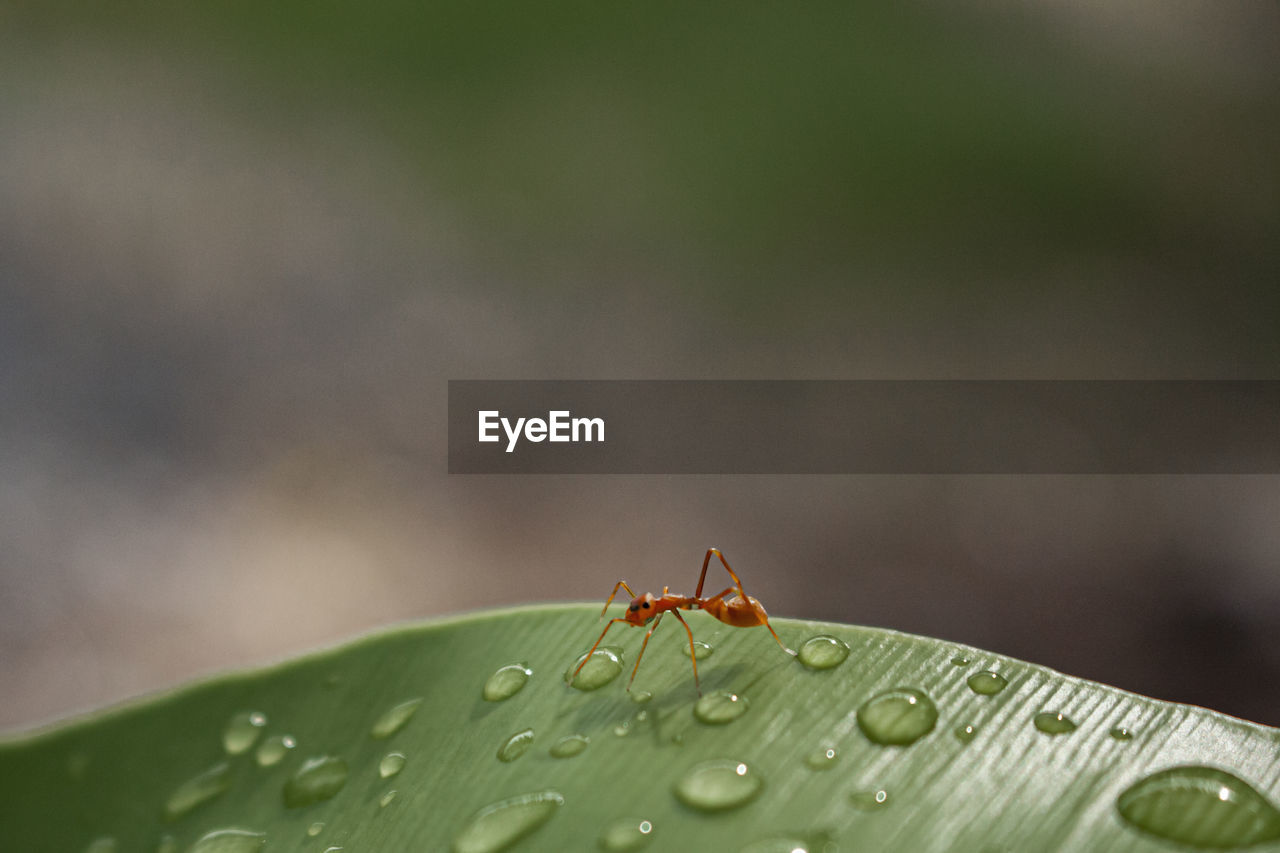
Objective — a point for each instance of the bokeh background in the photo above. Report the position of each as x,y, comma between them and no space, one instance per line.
244,245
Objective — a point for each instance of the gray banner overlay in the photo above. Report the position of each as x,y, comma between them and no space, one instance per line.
866,427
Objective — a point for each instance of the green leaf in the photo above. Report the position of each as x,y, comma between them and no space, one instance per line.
159,774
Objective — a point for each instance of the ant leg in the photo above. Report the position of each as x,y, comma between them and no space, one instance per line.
640,654
693,653
705,562
609,600
592,651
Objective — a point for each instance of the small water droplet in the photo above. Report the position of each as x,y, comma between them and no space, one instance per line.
229,841
778,845
515,746
386,799
332,849
506,682
965,733
242,731
987,683
821,759
823,652
394,719
622,729
499,825
105,844
317,779
960,660
603,667
869,801
1201,807
391,764
273,749
1121,733
626,834
1052,723
716,709
700,650
315,828
569,746
897,717
718,785
167,844
641,696
198,790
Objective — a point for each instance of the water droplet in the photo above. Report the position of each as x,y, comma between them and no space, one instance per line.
1121,733
1054,724
77,765
960,660
822,759
332,680
987,683
332,849
515,746
229,841
242,731
718,785
622,729
317,779
1201,807
716,709
198,790
499,825
778,845
965,733
823,652
869,801
506,682
105,844
604,666
700,650
386,799
394,719
391,764
273,749
167,844
627,834
315,828
897,717
569,746
641,696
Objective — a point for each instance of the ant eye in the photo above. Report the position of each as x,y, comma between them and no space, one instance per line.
634,608
645,605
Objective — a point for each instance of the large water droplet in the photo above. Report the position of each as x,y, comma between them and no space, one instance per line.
1201,807
626,834
987,683
569,746
823,652
394,719
869,801
515,746
499,825
718,785
719,708
603,667
273,749
198,790
242,731
700,650
821,759
317,779
229,841
506,682
105,844
897,717
1052,723
391,764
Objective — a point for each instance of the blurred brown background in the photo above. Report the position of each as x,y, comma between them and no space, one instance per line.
243,247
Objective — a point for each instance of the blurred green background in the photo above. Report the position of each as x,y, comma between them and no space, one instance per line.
243,247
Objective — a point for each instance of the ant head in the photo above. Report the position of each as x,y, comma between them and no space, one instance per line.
641,610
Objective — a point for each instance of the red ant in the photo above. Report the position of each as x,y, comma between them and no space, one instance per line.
741,611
